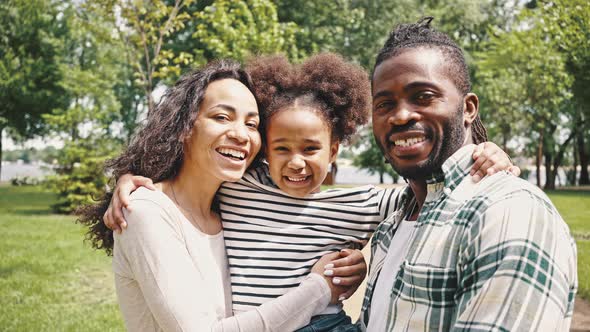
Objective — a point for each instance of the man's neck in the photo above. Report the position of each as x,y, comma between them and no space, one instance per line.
419,186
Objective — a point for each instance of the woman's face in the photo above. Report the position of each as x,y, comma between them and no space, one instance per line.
225,137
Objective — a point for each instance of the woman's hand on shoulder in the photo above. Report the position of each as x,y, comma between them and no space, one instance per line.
489,159
344,271
113,218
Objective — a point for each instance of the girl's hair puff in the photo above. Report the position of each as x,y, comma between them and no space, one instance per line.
336,89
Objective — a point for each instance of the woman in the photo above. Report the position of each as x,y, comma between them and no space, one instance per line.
171,270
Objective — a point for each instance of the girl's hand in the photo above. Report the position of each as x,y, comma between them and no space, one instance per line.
348,271
489,159
113,218
318,267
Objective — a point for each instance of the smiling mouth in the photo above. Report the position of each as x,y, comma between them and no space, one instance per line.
231,153
297,179
409,141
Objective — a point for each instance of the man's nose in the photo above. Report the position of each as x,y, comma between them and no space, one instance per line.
401,116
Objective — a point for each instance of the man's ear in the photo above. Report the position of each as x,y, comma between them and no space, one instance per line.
334,151
470,108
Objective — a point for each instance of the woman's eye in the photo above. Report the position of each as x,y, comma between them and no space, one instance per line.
221,117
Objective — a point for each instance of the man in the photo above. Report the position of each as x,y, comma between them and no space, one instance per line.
487,256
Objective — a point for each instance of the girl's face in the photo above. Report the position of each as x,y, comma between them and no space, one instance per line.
299,150
225,137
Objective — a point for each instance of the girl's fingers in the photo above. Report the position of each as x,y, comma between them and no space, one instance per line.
347,281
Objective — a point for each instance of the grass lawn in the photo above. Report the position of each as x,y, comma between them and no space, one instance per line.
51,281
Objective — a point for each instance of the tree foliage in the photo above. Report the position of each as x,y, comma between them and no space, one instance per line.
30,44
372,159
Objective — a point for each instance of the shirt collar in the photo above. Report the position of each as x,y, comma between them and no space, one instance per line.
452,172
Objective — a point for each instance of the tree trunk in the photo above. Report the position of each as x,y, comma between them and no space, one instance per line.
381,178
539,157
549,179
574,175
1,148
559,159
584,159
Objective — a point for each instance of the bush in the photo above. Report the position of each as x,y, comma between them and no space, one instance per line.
80,179
25,181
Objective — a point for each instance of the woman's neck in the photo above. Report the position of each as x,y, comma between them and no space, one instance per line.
194,193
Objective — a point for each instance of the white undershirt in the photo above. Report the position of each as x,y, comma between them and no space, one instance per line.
395,256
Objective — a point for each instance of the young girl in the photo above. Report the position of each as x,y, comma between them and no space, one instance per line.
276,221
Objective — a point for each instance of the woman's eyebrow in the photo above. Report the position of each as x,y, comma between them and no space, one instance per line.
232,109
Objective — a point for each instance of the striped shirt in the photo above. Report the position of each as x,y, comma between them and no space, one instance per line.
491,256
273,239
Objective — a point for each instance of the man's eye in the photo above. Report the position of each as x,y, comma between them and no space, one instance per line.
384,105
252,124
424,97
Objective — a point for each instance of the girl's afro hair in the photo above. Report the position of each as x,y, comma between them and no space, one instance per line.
337,89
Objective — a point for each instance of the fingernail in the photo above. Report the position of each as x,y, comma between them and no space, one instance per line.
329,266
329,273
336,281
476,178
124,225
341,298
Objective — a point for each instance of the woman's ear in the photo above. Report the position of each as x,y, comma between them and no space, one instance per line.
470,108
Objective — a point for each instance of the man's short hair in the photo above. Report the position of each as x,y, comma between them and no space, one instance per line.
421,34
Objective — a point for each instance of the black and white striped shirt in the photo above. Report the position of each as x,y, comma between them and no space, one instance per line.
273,239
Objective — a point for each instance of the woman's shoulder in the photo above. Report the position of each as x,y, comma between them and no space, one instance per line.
151,204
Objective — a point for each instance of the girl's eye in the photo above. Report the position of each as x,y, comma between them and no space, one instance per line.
312,148
281,148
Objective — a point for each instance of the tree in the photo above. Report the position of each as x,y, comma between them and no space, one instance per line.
90,59
543,92
30,75
372,159
239,29
145,27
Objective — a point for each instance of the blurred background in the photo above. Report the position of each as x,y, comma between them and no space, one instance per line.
78,77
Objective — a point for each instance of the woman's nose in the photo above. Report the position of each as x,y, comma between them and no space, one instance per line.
238,133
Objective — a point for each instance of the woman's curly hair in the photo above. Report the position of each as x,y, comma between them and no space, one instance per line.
337,89
157,150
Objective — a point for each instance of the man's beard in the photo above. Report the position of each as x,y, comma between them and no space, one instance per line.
450,140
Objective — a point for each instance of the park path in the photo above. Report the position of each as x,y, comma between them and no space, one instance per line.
581,319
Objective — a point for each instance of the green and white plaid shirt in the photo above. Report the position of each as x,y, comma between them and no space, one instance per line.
491,256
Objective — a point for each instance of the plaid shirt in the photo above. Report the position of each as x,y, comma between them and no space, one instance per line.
491,256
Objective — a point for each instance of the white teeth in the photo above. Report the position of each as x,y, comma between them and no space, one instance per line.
409,141
296,179
231,152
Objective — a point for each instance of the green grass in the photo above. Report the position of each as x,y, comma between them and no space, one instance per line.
50,280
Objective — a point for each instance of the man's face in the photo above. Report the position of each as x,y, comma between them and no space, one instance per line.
417,112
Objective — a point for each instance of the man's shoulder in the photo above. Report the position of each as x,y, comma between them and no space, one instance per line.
499,187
